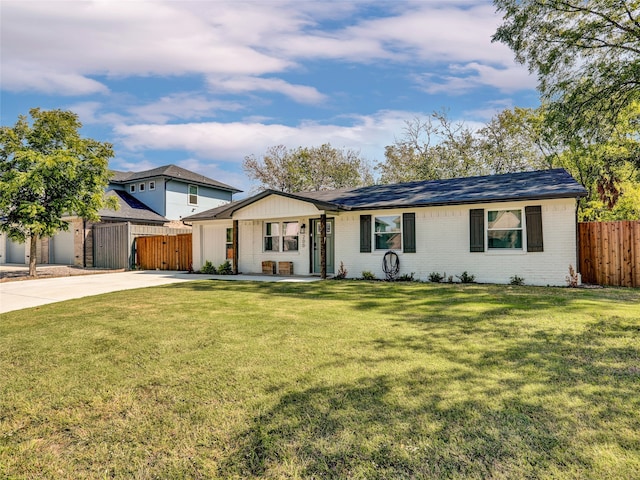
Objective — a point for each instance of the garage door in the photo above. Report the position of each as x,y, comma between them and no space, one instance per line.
15,252
61,248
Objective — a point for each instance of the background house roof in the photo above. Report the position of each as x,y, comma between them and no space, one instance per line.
171,171
543,184
131,209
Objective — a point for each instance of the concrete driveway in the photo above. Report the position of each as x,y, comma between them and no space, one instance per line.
32,293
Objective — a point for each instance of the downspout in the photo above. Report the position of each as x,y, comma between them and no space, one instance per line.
84,243
577,238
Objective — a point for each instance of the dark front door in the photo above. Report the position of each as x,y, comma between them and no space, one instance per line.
315,233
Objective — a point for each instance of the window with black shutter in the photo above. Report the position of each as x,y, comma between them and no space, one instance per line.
365,233
476,230
533,215
409,232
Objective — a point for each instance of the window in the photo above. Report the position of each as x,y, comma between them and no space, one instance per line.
152,185
290,233
141,187
388,233
273,231
504,229
132,188
229,243
271,237
193,194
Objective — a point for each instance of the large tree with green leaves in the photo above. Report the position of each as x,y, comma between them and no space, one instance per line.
47,171
586,54
436,147
308,168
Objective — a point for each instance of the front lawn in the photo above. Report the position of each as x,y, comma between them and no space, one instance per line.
336,379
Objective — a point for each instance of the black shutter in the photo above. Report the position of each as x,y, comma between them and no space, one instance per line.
533,215
365,233
476,229
409,232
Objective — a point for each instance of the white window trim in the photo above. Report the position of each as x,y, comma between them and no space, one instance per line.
505,251
189,194
141,187
382,251
132,188
281,237
152,185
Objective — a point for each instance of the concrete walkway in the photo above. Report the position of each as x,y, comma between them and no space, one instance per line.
32,293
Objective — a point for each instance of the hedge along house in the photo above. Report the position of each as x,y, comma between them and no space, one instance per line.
493,227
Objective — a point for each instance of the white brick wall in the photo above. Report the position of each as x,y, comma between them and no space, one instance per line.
442,243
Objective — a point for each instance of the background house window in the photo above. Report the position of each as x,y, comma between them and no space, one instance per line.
229,244
132,188
271,237
388,233
152,185
290,231
193,194
504,229
141,187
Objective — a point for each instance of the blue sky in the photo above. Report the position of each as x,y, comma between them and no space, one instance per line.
202,84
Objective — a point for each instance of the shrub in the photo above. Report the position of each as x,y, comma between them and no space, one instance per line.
572,278
367,275
464,277
516,280
225,268
407,277
208,268
435,277
342,272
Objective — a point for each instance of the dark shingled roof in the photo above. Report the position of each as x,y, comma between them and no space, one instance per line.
543,184
170,171
131,209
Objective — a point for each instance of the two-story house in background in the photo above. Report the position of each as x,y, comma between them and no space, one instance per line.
150,202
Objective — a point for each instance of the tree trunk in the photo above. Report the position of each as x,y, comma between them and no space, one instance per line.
33,256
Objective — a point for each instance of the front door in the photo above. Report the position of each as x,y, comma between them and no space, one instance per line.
315,233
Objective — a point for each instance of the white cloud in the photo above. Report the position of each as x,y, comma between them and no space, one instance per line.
464,78
300,93
180,106
22,77
240,42
231,142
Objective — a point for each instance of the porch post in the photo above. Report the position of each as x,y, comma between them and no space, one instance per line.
235,247
323,246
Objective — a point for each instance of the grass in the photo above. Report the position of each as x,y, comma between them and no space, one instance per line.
326,380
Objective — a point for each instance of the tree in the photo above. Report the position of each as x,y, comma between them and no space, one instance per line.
586,54
436,148
47,170
308,169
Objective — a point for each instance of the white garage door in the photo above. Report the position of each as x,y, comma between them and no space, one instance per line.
15,252
61,248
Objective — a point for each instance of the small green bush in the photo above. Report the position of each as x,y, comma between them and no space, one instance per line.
516,280
407,277
436,277
225,269
208,268
367,275
464,277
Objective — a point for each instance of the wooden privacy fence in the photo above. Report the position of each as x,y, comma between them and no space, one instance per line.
610,253
164,252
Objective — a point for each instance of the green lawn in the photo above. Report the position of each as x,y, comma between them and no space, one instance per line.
336,379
